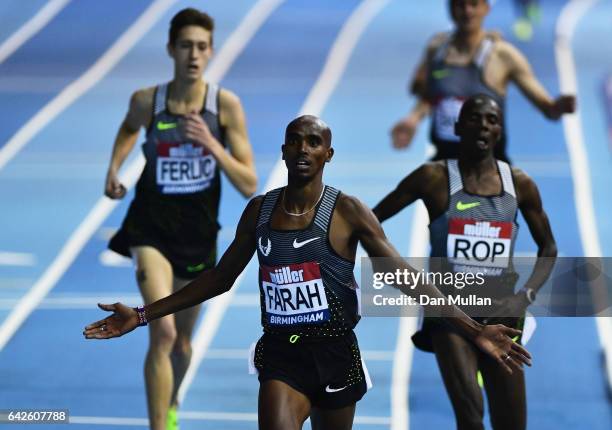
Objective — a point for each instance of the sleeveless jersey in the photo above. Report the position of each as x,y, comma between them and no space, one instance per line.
448,86
175,166
177,196
306,288
182,178
477,233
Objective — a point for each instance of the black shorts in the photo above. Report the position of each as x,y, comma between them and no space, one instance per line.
329,372
189,250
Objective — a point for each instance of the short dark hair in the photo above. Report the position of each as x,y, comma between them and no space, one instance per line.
190,16
475,100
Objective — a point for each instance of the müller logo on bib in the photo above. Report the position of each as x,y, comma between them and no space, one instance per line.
183,168
479,243
294,294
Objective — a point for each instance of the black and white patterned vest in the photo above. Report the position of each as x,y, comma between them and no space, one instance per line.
306,288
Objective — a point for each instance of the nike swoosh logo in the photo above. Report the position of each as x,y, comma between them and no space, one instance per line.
166,125
465,206
196,268
440,73
297,244
334,390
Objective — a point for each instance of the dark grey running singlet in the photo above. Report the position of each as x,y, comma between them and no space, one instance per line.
448,86
477,233
306,288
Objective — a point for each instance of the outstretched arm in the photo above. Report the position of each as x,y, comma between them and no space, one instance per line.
209,284
495,340
522,75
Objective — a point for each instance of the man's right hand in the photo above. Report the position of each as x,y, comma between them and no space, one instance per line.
403,132
113,188
123,320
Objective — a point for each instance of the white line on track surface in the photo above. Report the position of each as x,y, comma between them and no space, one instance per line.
104,206
17,259
572,124
31,27
84,82
329,77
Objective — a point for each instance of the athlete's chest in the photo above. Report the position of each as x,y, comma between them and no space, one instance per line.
494,73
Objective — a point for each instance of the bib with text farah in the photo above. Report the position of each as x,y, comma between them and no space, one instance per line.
294,294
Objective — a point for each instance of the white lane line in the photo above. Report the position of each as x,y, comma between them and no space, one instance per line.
402,361
571,14
237,41
58,267
216,308
202,416
110,258
315,101
86,81
104,206
31,27
17,259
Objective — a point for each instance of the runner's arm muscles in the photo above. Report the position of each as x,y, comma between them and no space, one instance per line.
418,84
138,115
372,237
521,73
238,164
406,193
220,279
530,205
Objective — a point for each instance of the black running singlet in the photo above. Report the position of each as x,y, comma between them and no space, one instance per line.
306,288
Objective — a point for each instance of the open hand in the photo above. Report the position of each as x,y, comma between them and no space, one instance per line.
123,320
496,341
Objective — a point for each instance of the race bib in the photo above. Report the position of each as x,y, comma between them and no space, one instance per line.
294,294
445,116
183,168
484,245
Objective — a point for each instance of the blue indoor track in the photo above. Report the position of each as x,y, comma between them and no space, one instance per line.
51,185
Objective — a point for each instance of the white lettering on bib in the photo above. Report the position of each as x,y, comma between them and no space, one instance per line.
484,244
183,168
294,294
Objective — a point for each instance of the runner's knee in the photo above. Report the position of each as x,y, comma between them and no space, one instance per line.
182,346
163,334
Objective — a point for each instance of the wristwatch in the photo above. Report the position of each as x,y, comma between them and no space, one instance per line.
530,293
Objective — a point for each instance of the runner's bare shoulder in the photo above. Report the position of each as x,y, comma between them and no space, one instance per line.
435,42
141,107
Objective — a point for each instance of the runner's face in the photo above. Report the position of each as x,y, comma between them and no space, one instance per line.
306,150
191,52
468,15
480,128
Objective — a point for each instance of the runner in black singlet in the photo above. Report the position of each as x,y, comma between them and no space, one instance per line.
306,236
463,63
171,227
472,204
